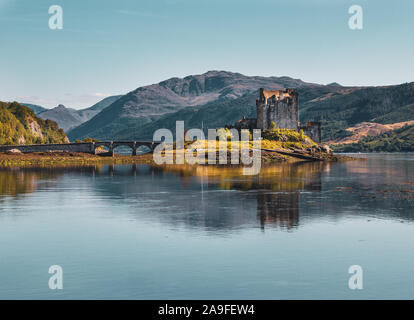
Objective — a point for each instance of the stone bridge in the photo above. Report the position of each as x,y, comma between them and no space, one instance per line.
134,145
82,147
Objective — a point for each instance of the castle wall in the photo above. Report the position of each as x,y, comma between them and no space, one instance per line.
261,121
246,123
313,131
284,114
281,107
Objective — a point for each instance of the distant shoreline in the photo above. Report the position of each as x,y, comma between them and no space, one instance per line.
66,159
63,159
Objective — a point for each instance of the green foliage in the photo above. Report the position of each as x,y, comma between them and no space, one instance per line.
19,125
273,126
401,114
285,135
302,135
86,140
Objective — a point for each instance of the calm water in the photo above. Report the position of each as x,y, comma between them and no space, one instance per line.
137,232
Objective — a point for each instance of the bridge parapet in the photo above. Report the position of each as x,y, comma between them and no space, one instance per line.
83,147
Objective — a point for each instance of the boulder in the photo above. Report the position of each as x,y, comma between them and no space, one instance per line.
13,151
325,148
307,141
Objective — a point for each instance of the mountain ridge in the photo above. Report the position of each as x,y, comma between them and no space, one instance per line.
146,104
219,98
68,118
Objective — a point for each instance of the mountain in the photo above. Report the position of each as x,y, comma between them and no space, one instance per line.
351,106
217,98
37,109
20,125
90,112
369,129
399,140
211,115
68,118
334,84
143,107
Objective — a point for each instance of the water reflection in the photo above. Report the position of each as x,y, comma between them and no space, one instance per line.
208,232
220,198
14,182
277,189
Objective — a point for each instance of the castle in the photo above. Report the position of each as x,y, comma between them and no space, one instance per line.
282,108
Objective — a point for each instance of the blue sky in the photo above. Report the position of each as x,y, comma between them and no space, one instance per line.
113,47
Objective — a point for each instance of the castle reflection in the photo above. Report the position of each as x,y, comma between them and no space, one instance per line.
280,210
220,198
269,199
277,188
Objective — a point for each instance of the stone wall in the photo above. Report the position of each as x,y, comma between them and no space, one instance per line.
69,147
246,123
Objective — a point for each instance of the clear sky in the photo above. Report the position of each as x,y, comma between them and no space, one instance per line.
112,47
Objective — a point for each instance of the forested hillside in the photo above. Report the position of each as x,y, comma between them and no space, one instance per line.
345,109
20,125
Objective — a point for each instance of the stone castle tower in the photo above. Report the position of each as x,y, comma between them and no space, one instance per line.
280,106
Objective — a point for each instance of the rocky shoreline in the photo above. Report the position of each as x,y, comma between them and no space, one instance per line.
59,159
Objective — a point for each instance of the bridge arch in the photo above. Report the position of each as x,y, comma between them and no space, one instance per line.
130,144
134,145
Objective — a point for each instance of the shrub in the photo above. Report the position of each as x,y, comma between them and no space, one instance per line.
284,135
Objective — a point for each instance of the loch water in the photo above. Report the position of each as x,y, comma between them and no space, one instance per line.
204,232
